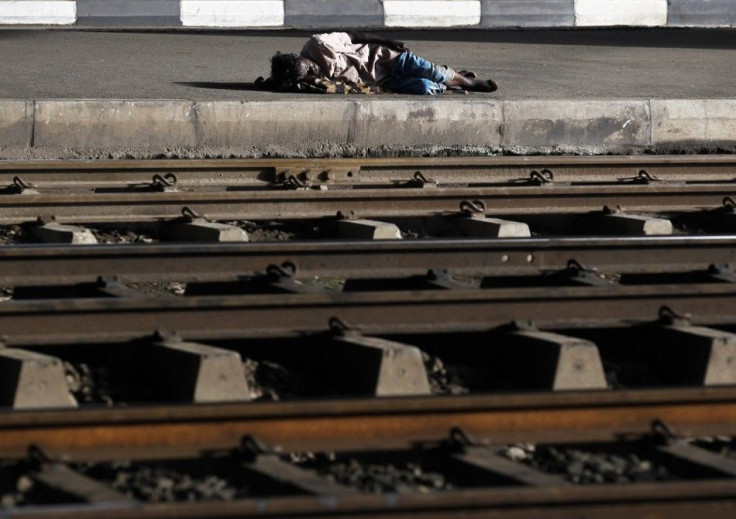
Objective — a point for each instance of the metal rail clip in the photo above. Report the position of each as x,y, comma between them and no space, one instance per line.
419,180
459,439
669,317
190,215
253,446
284,277
722,272
663,430
20,187
341,328
292,182
729,204
165,183
473,207
582,274
540,178
643,177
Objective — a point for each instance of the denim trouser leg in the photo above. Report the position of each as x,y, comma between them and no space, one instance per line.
413,74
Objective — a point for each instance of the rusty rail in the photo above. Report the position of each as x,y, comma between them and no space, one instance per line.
393,423
293,314
388,422
452,169
378,203
49,264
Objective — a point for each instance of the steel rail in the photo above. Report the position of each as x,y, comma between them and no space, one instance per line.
378,422
60,321
443,169
676,500
54,264
386,203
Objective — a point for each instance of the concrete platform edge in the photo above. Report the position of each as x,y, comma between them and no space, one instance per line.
93,128
380,13
16,122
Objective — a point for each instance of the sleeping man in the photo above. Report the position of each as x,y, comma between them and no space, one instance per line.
369,61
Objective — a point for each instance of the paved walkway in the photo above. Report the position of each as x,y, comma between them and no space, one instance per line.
76,93
606,64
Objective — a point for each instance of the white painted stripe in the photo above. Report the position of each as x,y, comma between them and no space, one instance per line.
431,13
232,13
621,12
42,12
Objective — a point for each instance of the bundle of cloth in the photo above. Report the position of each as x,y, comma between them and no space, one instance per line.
319,85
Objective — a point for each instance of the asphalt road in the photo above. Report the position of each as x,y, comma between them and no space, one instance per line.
544,64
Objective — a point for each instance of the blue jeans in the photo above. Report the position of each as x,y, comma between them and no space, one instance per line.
415,75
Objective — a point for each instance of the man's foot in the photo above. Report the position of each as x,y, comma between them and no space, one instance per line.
482,85
473,84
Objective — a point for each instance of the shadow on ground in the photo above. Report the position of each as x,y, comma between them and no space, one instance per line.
221,85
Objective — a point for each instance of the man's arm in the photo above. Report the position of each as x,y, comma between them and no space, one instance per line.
367,37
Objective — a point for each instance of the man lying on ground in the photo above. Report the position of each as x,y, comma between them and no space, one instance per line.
361,61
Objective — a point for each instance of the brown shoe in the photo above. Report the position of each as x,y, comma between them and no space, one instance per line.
482,85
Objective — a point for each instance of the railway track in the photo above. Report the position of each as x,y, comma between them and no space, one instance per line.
328,470
366,203
265,172
87,319
38,264
228,190
378,347
354,424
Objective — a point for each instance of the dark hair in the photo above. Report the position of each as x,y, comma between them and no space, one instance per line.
285,68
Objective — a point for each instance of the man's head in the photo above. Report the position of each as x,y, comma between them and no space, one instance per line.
290,68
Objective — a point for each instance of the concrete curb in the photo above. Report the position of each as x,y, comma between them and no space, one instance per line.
235,125
646,13
90,128
232,13
420,123
41,12
311,14
522,13
114,124
576,123
678,121
431,13
128,12
333,13
16,123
